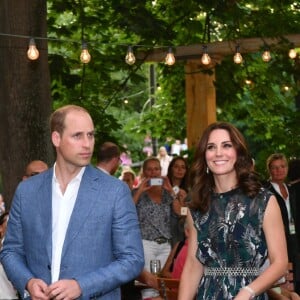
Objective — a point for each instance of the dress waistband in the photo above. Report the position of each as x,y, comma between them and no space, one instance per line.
231,271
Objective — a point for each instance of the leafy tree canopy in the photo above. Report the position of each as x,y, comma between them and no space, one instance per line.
265,110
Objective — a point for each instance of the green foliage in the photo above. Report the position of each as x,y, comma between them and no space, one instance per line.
166,117
264,110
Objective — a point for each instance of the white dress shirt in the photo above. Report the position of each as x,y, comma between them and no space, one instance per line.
62,207
287,200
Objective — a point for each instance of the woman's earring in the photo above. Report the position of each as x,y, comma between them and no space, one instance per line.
207,170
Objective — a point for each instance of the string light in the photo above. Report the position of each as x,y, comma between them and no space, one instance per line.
33,52
170,58
205,59
266,56
130,58
237,58
85,56
292,52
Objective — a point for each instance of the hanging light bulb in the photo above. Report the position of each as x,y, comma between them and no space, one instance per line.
33,52
130,58
266,56
237,58
292,53
170,58
85,56
205,59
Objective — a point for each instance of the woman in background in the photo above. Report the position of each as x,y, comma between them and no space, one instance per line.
155,203
164,159
178,174
277,166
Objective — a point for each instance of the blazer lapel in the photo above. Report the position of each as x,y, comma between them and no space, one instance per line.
45,210
87,194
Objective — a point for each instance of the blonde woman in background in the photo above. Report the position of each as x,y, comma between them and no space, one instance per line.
164,160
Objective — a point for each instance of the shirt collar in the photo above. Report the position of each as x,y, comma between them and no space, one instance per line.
77,177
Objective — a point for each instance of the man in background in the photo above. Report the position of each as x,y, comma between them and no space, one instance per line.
108,158
35,167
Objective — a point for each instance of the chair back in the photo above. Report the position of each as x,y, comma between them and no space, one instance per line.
168,288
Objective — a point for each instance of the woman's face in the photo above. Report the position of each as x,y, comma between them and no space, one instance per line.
162,152
152,169
220,154
178,169
129,179
278,170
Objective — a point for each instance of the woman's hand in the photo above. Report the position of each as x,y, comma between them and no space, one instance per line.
143,187
167,185
243,295
181,196
179,201
176,207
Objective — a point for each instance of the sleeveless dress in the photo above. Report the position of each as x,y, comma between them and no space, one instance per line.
230,235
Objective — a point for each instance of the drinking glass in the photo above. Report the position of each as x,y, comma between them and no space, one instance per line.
155,267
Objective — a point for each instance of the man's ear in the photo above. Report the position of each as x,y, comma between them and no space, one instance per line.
55,137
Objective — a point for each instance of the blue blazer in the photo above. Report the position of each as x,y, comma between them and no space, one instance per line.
102,247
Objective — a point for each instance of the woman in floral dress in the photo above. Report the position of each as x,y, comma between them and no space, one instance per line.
235,223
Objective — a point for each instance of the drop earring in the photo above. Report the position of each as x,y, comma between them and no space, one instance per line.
207,170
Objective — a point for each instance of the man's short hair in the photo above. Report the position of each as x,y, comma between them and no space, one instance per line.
108,151
57,118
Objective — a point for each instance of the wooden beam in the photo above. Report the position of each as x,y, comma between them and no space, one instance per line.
200,101
219,48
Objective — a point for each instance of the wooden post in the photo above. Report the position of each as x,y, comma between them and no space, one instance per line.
200,100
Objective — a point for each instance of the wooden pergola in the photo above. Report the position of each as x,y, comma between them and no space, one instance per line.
199,87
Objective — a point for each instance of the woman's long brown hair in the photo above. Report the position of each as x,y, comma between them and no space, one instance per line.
202,183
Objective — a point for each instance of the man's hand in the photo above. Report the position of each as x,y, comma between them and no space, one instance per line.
148,278
36,288
65,289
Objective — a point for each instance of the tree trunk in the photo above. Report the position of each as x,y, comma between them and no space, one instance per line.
25,101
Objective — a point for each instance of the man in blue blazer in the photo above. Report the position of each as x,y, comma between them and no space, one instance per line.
73,231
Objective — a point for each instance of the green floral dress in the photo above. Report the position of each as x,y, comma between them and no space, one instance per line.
230,235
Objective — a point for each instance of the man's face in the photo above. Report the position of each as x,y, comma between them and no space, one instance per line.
34,168
76,144
116,163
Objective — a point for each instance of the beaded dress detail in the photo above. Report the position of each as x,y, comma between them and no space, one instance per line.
231,243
